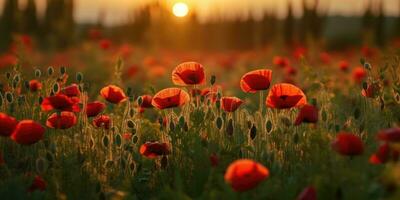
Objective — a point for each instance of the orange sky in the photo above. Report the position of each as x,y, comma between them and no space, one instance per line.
117,11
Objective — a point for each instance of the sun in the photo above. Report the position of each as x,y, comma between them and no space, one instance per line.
180,9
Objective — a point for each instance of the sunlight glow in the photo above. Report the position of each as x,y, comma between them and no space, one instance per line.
180,9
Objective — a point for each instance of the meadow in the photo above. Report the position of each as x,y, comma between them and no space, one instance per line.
104,120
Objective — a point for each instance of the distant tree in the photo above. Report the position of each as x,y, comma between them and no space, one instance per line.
288,31
59,23
8,23
379,29
29,18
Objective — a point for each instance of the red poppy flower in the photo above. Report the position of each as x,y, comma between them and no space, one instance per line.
325,58
64,120
245,174
285,95
146,101
280,61
188,73
102,121
389,135
308,193
344,65
60,102
230,104
35,85
371,91
94,108
299,52
94,34
290,71
169,98
384,154
71,91
368,52
113,94
154,149
359,74
348,144
38,183
308,114
105,44
127,136
27,132
7,124
214,160
256,80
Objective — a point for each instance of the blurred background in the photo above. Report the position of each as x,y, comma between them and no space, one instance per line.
202,24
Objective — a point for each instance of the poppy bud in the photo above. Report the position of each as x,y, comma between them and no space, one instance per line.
367,66
130,124
50,71
164,162
21,99
131,112
8,75
26,84
56,88
362,61
38,73
16,78
213,79
79,77
118,140
129,91
140,101
40,100
135,139
9,97
106,141
269,126
219,122
172,126
63,70
249,124
229,127
181,121
253,132
41,165
218,104
313,101
365,85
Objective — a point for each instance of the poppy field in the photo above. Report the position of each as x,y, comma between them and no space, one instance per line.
171,105
293,125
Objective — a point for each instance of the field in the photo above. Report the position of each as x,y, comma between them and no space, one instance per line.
105,128
221,99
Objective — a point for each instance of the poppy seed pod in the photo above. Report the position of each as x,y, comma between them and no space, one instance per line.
213,79
229,127
38,73
253,132
219,122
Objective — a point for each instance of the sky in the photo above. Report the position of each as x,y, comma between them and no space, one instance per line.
118,11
